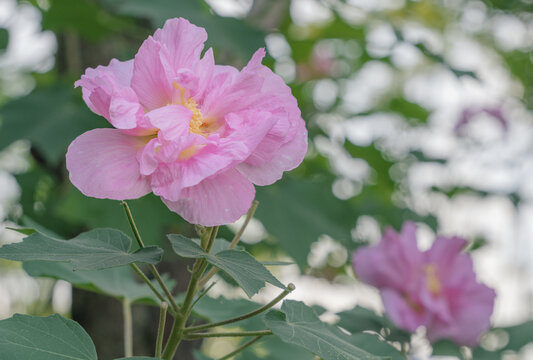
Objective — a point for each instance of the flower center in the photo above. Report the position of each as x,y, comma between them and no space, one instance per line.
432,281
199,125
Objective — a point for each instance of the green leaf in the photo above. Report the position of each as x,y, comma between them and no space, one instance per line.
4,39
119,282
446,348
50,118
360,319
298,324
92,250
374,345
24,337
250,274
139,358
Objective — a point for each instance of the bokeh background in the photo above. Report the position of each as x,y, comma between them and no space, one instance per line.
416,110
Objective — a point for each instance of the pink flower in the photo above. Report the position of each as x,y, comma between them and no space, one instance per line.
436,288
198,135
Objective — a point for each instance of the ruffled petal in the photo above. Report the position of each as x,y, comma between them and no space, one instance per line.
285,158
125,112
98,85
401,263
172,121
152,77
247,128
183,42
405,315
218,200
194,165
471,311
102,163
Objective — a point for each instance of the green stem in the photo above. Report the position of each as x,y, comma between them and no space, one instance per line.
167,292
152,268
241,348
195,336
249,217
128,327
176,333
203,293
211,240
132,224
289,289
233,243
161,328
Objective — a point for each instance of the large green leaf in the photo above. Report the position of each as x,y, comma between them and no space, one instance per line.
360,319
92,250
250,274
298,324
24,337
119,282
50,118
374,345
139,358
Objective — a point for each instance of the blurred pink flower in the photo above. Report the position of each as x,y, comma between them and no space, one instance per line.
436,288
197,134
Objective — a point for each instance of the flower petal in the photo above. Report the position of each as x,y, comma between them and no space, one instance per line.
172,120
151,79
400,261
98,85
183,41
471,311
102,164
206,160
286,158
218,200
125,112
404,315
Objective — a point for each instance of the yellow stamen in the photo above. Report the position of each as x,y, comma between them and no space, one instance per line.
433,283
199,125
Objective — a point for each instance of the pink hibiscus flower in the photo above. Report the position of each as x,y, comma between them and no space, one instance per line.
198,135
436,288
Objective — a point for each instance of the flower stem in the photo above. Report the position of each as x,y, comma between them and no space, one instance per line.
241,348
233,243
249,216
152,268
195,336
203,293
128,327
289,289
176,333
161,328
149,283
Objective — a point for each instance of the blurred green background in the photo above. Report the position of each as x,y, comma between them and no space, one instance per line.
416,110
